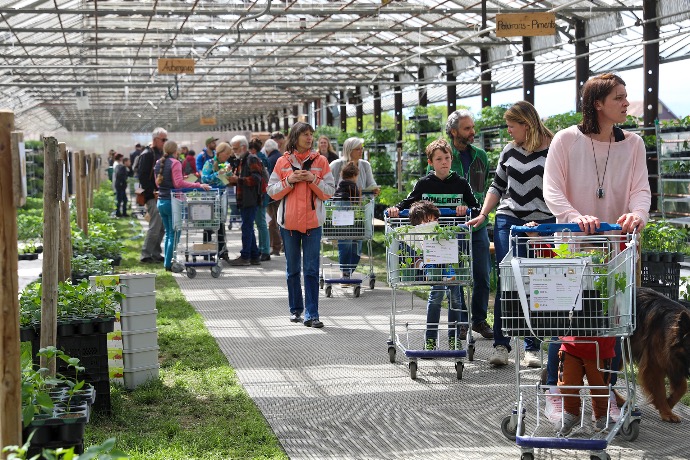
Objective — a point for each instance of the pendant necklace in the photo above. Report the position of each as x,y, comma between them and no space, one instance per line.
600,189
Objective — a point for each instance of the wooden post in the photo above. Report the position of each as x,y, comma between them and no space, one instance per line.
51,232
65,265
82,204
10,373
94,177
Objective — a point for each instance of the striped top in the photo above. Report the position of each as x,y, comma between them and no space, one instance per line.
519,182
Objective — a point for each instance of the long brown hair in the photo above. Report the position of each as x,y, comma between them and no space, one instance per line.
524,113
169,148
295,131
596,89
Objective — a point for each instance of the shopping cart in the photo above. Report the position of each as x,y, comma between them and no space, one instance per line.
195,213
234,218
351,223
564,283
437,255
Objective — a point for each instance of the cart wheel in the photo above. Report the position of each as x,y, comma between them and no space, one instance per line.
372,283
459,366
603,456
215,271
391,354
506,429
527,456
191,272
470,352
329,290
358,290
632,432
320,283
413,370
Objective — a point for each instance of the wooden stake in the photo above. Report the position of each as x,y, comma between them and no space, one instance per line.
65,265
10,373
51,233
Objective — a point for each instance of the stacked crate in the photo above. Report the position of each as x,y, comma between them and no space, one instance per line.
138,329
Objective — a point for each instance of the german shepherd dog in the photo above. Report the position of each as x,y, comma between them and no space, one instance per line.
661,347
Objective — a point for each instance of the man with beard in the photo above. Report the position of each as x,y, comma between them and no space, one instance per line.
472,163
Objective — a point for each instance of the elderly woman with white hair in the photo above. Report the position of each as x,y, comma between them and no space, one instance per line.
349,251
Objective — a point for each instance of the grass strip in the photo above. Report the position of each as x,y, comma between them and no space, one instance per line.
198,409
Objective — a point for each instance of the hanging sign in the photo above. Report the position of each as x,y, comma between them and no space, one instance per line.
175,66
525,24
207,121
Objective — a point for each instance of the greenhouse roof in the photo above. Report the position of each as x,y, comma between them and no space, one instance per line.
92,65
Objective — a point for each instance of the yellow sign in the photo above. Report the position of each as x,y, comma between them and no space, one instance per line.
207,121
525,24
174,66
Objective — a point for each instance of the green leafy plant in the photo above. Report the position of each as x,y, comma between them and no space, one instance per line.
104,451
103,198
390,196
563,120
382,165
661,236
331,132
87,264
490,117
685,288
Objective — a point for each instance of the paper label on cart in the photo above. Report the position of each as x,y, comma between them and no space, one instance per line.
201,211
551,292
440,252
343,217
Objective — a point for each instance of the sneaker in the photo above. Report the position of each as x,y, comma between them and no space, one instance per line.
463,332
599,423
568,423
313,323
614,410
264,257
553,406
499,356
531,359
295,318
430,344
255,261
239,262
484,329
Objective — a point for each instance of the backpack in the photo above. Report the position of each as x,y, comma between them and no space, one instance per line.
135,165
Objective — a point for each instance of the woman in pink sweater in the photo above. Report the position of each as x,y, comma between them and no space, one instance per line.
595,172
168,172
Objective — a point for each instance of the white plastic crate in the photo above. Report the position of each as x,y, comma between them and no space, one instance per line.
134,303
137,283
134,340
141,358
138,321
138,376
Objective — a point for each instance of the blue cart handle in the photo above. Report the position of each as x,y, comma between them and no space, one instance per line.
551,228
186,190
445,212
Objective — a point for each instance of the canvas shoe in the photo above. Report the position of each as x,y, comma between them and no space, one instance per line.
567,425
553,406
499,356
531,359
295,318
600,423
315,323
614,410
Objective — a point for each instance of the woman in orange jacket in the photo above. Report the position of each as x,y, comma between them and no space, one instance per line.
301,181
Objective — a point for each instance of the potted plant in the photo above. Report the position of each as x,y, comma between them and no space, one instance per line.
86,265
662,251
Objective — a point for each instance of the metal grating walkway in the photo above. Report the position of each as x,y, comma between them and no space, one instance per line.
332,393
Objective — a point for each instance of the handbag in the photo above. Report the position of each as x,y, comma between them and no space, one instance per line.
141,199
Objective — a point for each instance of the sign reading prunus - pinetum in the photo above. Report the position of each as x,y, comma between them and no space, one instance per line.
525,24
175,66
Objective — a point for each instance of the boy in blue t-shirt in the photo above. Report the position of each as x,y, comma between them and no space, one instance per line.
447,186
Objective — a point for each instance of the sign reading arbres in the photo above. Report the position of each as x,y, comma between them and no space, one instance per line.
175,66
525,24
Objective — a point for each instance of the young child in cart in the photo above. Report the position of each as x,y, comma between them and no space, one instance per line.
445,187
348,192
576,360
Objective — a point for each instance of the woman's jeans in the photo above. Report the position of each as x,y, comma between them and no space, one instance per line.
348,255
171,236
262,227
456,304
303,248
502,246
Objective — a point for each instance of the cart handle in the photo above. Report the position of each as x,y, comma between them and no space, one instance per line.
445,212
550,228
185,190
